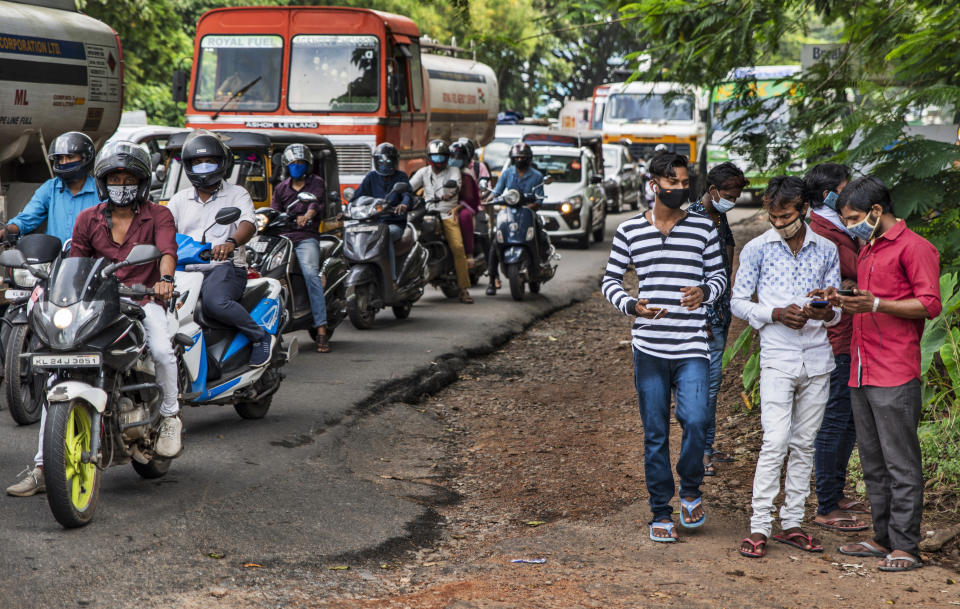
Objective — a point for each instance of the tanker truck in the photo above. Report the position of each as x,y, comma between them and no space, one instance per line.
356,76
60,71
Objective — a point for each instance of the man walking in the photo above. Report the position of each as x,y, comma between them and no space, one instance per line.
898,278
678,261
784,267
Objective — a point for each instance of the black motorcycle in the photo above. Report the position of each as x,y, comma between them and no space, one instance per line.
370,286
272,255
104,402
518,244
24,390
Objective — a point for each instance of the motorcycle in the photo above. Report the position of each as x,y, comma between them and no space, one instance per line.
214,357
441,272
370,286
270,254
103,399
24,390
518,243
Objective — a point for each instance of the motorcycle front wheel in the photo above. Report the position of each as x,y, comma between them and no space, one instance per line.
517,285
73,487
358,307
402,311
24,389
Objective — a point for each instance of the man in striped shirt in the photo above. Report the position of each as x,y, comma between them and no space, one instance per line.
679,267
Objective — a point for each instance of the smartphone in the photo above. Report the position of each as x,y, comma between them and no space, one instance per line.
845,292
820,304
660,312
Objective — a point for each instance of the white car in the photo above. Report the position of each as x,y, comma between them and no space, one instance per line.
575,206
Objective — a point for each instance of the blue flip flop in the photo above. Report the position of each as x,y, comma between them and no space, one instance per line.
689,506
666,526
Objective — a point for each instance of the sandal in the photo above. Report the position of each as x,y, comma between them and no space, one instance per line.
689,506
323,345
870,551
852,506
721,457
465,297
757,552
912,563
834,523
791,540
666,526
708,469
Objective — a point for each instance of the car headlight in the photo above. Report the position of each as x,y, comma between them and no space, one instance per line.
572,205
63,318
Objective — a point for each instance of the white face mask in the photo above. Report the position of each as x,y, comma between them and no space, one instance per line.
122,196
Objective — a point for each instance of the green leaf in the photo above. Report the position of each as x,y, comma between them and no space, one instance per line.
934,335
950,354
742,343
751,371
949,295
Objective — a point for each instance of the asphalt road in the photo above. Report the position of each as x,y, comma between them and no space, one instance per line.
262,490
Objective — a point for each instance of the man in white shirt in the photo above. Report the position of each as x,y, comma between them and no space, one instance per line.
207,161
785,267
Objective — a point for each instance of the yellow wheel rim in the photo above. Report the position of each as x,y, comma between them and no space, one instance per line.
80,475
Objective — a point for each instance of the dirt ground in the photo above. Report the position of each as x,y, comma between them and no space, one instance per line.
535,454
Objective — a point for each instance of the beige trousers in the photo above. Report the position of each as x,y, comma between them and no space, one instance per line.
451,230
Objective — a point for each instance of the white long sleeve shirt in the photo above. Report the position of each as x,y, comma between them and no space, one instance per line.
779,278
438,198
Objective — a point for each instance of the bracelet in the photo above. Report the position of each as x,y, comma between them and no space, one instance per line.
876,304
233,241
777,315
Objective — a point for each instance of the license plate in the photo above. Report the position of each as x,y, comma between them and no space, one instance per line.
67,360
16,294
259,246
362,229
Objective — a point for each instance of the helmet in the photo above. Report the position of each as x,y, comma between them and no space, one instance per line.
72,142
521,150
438,153
471,147
386,158
123,156
204,144
460,153
660,148
295,153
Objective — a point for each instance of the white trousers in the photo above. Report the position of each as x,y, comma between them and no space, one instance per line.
164,361
791,410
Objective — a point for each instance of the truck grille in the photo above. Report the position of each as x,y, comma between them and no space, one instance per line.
354,159
645,150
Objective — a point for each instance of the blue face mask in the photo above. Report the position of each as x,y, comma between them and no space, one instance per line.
723,205
296,170
863,229
204,167
67,167
438,158
831,200
456,163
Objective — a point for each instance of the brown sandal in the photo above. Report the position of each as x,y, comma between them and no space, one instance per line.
466,298
323,345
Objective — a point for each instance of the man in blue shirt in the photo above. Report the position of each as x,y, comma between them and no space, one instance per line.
378,184
520,175
60,199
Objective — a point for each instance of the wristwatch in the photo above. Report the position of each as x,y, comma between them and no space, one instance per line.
233,241
167,278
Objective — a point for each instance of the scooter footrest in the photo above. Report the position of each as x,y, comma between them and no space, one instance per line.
188,397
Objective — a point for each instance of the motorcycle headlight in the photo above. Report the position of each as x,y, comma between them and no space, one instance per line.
274,261
262,221
512,196
25,279
63,318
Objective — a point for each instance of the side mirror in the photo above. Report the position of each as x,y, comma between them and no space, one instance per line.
141,254
549,180
349,192
450,184
12,258
402,187
179,88
161,173
333,196
704,115
595,179
307,197
227,215
155,159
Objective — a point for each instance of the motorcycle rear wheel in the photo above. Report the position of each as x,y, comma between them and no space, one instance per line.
358,308
254,410
450,290
402,311
24,389
73,487
517,286
155,468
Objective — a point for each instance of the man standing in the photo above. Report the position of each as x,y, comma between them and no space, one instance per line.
898,278
678,261
837,436
784,267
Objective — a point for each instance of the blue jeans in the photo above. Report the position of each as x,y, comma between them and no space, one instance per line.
655,377
835,441
308,256
716,345
396,232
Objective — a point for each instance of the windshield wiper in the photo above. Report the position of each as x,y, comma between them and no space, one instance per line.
236,95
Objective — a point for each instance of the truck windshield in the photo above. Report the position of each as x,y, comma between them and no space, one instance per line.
334,73
630,107
564,169
228,63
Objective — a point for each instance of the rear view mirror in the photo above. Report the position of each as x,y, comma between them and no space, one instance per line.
227,215
161,173
179,88
141,254
307,197
13,259
401,187
333,196
549,180
349,192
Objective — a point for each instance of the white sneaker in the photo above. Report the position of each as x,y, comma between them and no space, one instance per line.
30,484
168,442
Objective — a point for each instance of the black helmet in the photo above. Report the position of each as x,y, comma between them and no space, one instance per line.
296,153
204,144
123,156
438,153
72,142
471,147
460,151
386,159
521,150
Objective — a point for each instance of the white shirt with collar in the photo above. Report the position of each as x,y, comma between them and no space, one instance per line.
438,198
194,216
769,269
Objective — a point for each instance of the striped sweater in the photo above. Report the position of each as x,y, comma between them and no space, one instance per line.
688,256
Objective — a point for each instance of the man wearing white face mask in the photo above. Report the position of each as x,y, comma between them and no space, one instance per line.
725,183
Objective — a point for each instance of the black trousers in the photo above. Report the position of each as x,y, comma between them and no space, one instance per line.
886,419
220,296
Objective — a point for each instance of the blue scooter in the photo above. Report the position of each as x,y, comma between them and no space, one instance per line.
518,243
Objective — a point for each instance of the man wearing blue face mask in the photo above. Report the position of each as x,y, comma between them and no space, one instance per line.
725,183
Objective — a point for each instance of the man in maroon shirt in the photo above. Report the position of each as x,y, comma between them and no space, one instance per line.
898,288
837,435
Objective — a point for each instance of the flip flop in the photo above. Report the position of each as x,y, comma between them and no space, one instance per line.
720,457
790,540
854,506
689,506
913,563
757,551
666,526
872,550
833,524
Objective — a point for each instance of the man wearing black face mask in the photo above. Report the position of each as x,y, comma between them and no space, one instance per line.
677,258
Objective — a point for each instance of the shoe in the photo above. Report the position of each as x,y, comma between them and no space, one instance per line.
168,442
465,297
262,351
31,484
491,289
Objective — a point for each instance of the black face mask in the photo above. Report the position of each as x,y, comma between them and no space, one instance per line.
673,198
523,164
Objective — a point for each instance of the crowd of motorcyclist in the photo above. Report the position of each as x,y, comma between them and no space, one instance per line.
97,205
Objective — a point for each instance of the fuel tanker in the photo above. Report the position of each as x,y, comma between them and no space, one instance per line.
60,71
357,76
